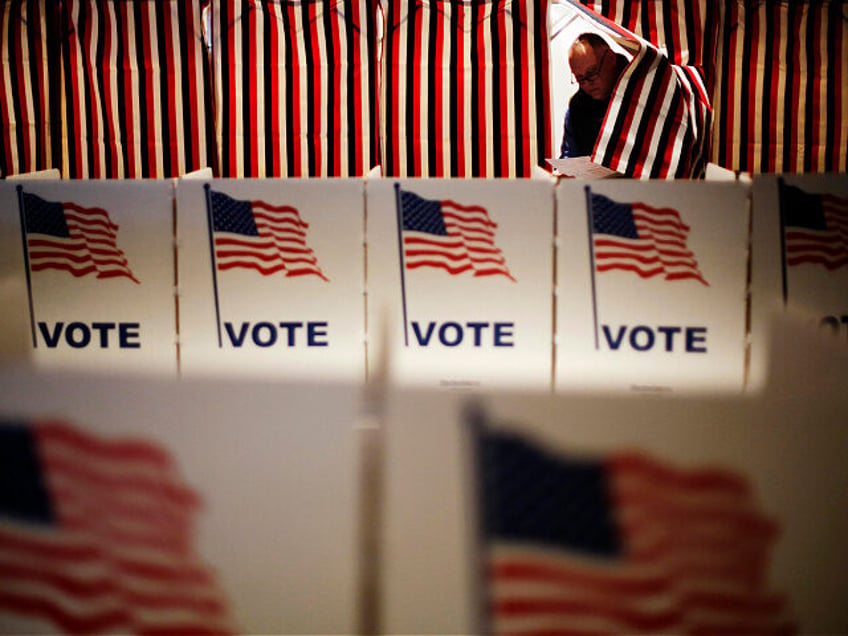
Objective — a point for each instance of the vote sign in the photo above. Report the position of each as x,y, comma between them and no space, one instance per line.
99,264
652,281
462,270
271,277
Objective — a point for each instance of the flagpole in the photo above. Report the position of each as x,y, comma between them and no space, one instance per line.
399,208
20,190
591,223
209,216
781,208
475,424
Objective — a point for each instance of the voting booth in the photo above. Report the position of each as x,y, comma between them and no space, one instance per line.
307,328
98,260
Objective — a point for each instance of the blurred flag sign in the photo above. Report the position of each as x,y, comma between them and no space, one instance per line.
799,255
98,260
96,536
651,286
271,278
619,543
463,271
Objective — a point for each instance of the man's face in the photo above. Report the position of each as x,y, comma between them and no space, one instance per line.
593,70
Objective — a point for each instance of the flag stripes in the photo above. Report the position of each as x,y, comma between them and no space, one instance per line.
815,227
451,236
780,88
29,94
260,236
643,239
621,543
134,81
466,91
72,238
296,87
74,551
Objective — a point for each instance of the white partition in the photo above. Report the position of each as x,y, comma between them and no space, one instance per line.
98,258
802,268
274,468
654,298
289,304
464,281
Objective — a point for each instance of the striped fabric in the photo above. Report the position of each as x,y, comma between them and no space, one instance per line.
134,78
658,121
28,93
684,31
465,88
781,102
295,87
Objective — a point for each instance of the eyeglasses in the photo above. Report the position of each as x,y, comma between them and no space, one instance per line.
592,74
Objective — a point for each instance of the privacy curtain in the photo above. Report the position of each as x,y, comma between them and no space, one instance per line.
465,88
295,87
781,89
134,78
29,101
658,121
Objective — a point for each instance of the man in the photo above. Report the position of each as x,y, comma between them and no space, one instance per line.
596,69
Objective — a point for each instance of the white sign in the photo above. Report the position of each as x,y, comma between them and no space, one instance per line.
652,282
271,277
799,257
99,264
462,269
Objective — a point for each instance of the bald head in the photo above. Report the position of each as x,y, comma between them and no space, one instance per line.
594,65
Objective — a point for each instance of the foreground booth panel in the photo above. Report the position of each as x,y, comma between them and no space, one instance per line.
256,495
461,272
651,291
450,569
799,258
98,258
271,278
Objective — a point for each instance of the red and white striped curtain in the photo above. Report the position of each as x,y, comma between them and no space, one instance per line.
134,82
466,88
781,89
684,31
658,121
30,92
295,87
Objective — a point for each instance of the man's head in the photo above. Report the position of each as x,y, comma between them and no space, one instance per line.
593,65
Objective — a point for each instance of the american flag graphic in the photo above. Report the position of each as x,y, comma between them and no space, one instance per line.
621,543
295,87
96,536
643,239
67,236
815,227
465,88
134,81
450,236
258,235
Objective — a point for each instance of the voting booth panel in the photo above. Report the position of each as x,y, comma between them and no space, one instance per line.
799,258
651,285
440,578
462,271
99,265
271,278
267,476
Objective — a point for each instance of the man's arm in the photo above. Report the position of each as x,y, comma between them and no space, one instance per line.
568,148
